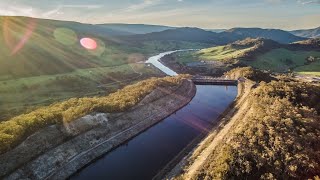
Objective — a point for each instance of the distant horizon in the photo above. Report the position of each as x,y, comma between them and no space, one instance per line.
164,25
205,14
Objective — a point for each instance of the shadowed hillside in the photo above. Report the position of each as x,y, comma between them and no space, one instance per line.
307,33
182,34
273,34
136,28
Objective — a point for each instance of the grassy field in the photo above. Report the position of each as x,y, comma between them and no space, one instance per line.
276,60
280,60
185,57
31,47
221,53
311,69
42,61
25,94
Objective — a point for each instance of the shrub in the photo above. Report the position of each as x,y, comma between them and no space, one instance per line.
279,139
18,128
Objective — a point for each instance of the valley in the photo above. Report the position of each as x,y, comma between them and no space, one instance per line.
263,54
125,101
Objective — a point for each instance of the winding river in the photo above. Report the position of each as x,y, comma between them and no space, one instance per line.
155,60
148,153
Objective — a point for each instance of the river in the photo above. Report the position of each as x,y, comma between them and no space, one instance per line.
155,60
146,154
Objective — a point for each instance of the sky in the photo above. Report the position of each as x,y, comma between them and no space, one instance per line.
208,14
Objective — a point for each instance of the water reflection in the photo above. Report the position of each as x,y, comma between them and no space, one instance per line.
146,154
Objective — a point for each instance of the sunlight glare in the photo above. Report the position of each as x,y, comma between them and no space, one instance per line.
88,43
16,34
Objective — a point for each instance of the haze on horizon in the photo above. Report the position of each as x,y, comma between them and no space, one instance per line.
213,14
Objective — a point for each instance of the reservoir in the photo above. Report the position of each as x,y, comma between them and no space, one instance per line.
146,154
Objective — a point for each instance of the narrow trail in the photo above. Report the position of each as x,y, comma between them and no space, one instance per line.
238,112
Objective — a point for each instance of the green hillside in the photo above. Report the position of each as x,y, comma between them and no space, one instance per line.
263,54
222,53
283,60
33,47
16,129
42,61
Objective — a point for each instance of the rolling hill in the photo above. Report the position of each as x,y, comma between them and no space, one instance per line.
181,34
43,61
301,57
307,33
273,34
33,47
242,49
36,47
135,28
214,38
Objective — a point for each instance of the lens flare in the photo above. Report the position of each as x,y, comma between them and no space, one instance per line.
65,36
89,43
25,30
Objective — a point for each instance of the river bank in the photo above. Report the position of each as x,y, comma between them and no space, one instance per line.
54,153
191,162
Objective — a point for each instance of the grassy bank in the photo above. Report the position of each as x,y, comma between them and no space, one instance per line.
18,128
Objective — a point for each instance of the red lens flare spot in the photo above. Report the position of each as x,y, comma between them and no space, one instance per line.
88,43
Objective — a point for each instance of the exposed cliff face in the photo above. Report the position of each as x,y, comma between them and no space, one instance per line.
58,151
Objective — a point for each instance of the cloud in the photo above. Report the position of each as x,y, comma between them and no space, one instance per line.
143,5
85,6
16,10
59,9
304,2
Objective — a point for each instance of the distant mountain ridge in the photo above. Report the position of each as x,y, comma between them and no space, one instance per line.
136,28
307,33
181,34
222,38
278,35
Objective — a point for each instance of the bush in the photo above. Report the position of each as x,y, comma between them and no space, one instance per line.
18,128
279,139
249,73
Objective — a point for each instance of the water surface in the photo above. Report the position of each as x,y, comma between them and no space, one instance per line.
146,154
155,60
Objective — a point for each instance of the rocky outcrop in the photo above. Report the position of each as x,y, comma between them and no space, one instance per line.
59,151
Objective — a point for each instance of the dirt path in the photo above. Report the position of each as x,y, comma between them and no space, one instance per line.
239,111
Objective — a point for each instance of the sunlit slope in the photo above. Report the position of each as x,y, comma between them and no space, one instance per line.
267,55
283,60
45,61
34,47
240,49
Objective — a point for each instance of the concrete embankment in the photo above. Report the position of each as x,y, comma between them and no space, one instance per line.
192,162
59,151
